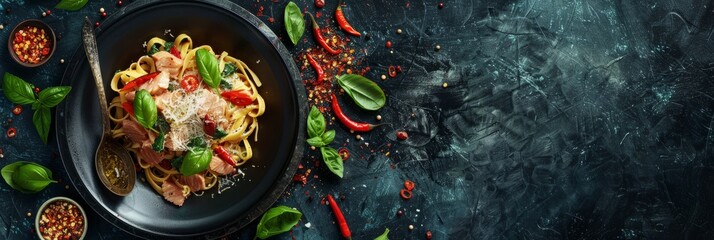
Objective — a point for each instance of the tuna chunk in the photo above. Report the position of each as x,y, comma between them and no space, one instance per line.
166,62
150,156
173,193
158,84
135,132
195,182
220,167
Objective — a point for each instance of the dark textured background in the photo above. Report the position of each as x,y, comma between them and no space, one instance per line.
567,119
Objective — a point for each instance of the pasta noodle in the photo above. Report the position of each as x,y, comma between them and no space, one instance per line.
187,106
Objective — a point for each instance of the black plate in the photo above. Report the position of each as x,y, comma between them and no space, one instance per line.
226,27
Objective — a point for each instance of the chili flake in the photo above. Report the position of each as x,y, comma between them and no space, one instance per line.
402,135
11,132
344,153
409,185
31,44
17,109
406,194
61,220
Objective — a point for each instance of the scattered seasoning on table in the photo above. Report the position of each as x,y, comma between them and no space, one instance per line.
119,3
379,117
29,214
31,44
411,227
399,31
392,71
62,60
441,5
11,132
383,77
406,194
101,10
37,90
400,213
271,19
402,135
388,44
313,148
104,14
61,220
301,178
17,109
2,26
49,12
444,85
437,47
319,3
1,153
96,24
344,153
44,14
344,228
428,234
409,185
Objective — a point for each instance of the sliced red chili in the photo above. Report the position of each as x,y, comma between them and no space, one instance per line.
17,109
344,153
11,132
174,51
128,107
238,97
406,194
409,185
402,135
224,155
209,126
139,81
189,83
392,71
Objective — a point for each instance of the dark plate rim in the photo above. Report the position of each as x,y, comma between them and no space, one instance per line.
276,189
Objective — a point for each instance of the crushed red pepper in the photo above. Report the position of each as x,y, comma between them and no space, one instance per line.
17,110
31,45
61,220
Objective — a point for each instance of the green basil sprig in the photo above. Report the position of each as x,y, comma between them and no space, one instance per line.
318,137
19,91
72,5
145,109
384,235
195,161
294,22
277,220
208,67
367,94
27,177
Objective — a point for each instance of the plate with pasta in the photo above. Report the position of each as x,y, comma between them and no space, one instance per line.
209,109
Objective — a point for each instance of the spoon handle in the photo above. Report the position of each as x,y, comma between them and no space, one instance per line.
90,48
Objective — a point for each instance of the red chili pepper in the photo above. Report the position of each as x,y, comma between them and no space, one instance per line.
11,132
409,185
189,83
174,51
318,69
237,97
342,21
139,81
128,107
320,39
349,123
344,228
319,3
224,155
406,194
209,126
392,72
344,153
17,109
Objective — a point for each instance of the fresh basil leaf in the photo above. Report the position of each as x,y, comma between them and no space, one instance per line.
158,144
168,45
328,137
145,109
294,22
384,235
32,177
154,49
219,134
71,5
316,142
42,118
228,69
367,94
277,220
9,170
17,90
52,96
197,142
226,85
177,162
332,160
196,160
315,123
208,67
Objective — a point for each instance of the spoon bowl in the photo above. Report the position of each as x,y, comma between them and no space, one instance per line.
113,163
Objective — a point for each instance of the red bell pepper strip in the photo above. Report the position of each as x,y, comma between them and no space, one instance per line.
237,97
224,155
139,81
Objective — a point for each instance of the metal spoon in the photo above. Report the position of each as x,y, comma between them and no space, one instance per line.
115,166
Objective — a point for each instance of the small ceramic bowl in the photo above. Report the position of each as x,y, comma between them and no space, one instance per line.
38,217
40,25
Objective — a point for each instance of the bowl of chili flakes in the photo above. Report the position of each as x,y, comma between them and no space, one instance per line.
61,218
31,43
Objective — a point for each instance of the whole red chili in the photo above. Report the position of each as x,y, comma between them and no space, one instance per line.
409,185
392,71
17,109
406,194
344,228
344,153
318,69
139,81
11,132
349,123
342,21
224,155
320,39
319,3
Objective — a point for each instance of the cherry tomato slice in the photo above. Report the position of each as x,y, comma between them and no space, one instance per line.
238,98
189,83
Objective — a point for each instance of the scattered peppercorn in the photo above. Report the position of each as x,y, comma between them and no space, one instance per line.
104,14
402,135
62,60
96,24
383,77
7,10
44,14
400,213
119,3
37,90
437,47
411,227
441,5
388,44
379,117
312,148
428,234
399,31
49,12
101,10
444,85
